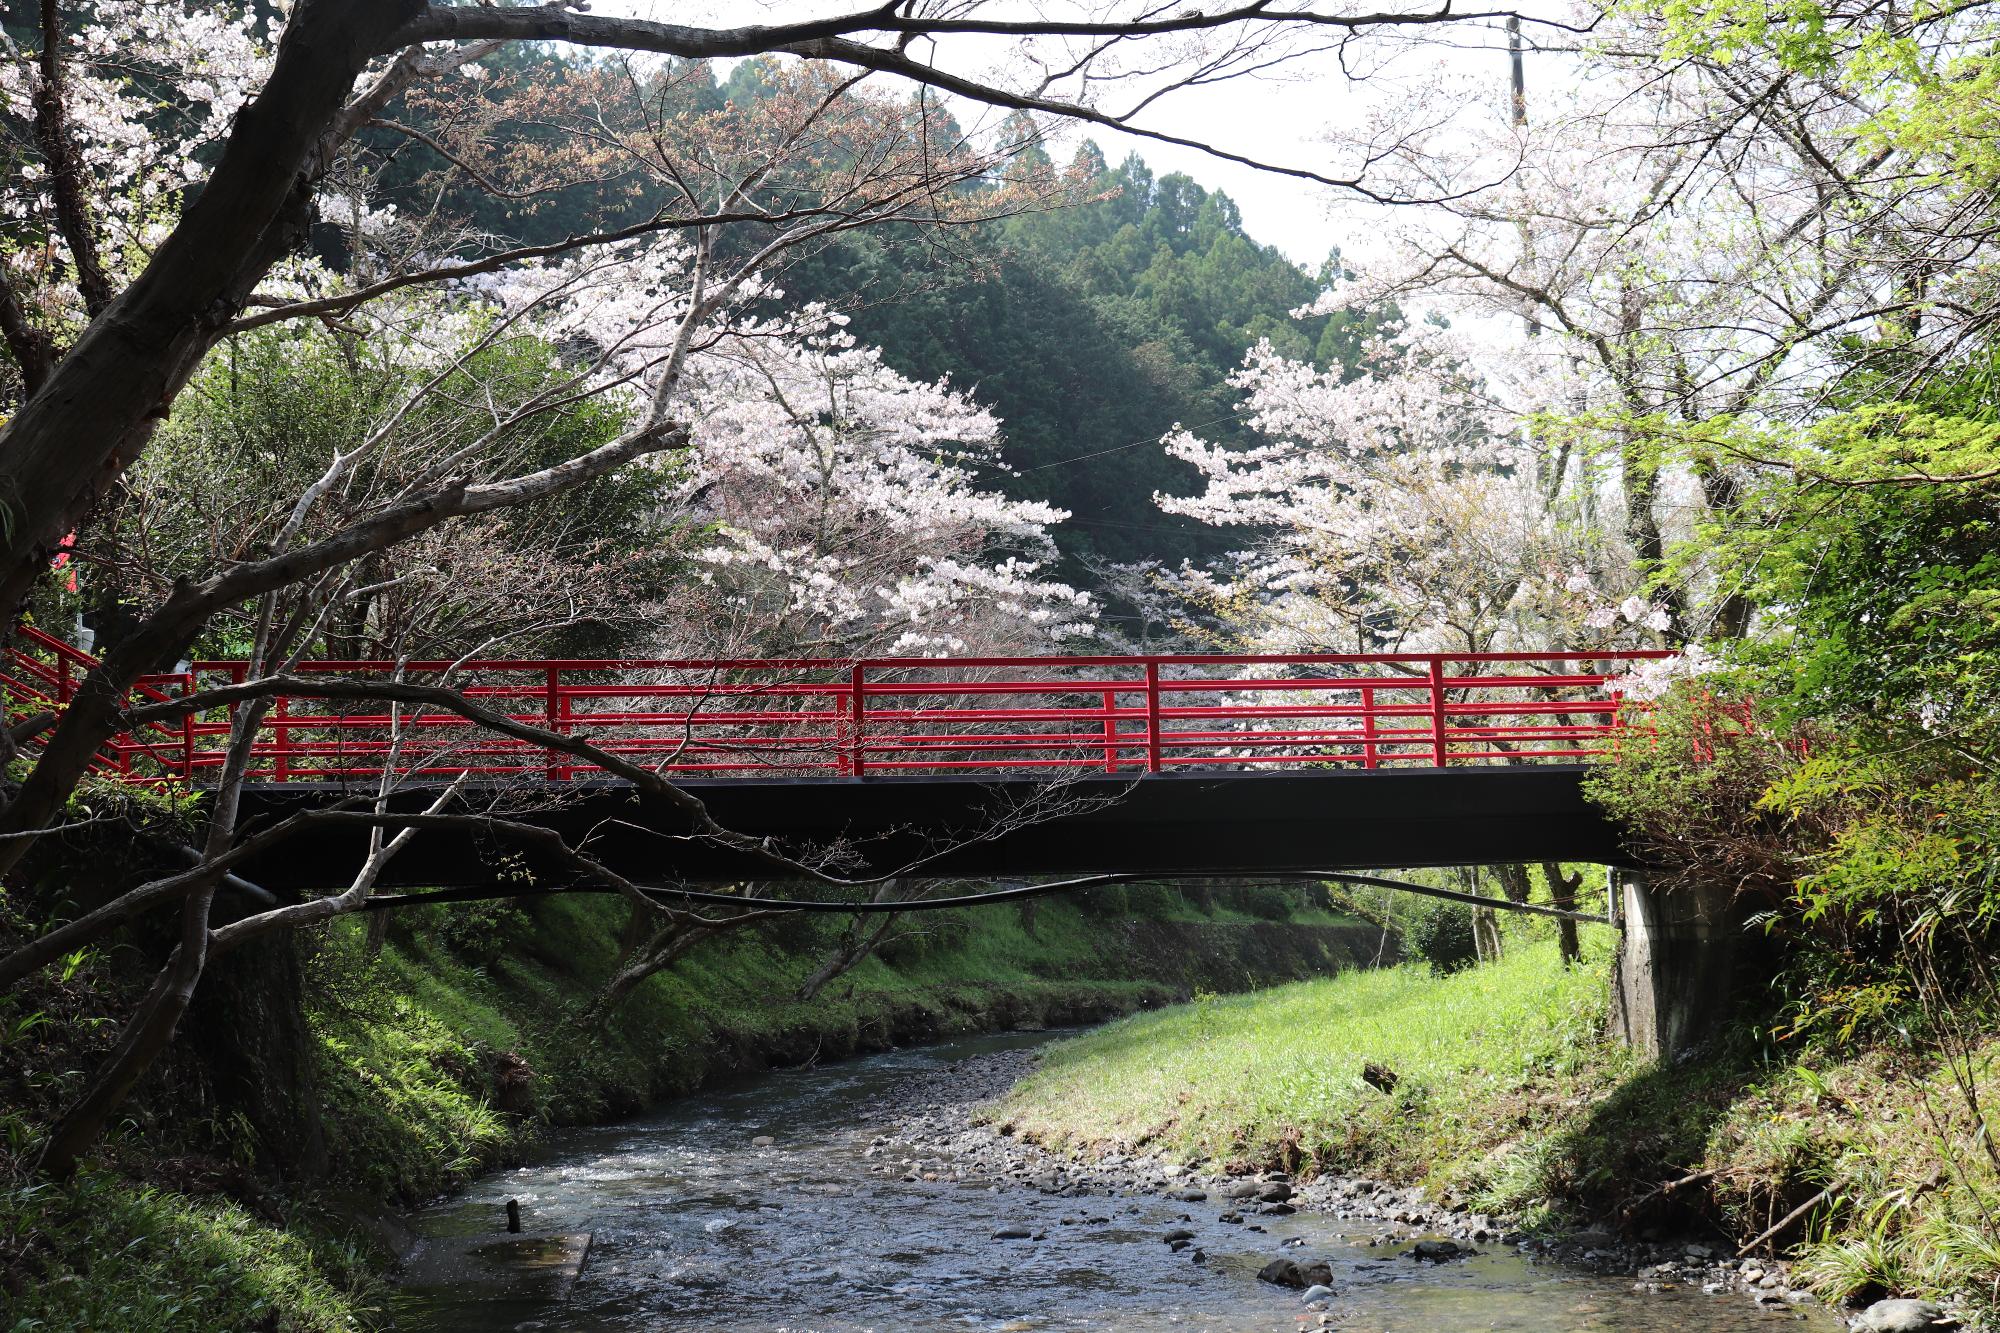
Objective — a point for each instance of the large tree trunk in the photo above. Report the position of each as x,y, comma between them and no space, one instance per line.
247,1028
1513,878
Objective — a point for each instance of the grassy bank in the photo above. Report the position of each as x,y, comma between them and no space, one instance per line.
1275,1078
462,1041
1509,1099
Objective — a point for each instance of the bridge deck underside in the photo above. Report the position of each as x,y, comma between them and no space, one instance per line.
1203,824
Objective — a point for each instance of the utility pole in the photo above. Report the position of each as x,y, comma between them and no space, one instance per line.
1514,56
1517,60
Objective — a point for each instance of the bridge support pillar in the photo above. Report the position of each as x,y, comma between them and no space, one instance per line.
1677,964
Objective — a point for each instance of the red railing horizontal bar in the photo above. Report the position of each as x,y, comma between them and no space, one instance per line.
938,663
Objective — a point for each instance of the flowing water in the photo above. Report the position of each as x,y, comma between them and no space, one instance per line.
695,1227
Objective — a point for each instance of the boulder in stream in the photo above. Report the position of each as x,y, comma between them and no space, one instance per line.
1901,1316
1286,1273
1437,1251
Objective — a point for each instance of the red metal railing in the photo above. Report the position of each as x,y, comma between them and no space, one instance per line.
1121,715
40,673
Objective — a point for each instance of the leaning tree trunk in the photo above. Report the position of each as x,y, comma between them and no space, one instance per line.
855,946
1562,892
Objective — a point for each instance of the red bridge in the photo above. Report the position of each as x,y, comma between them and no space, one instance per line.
1210,762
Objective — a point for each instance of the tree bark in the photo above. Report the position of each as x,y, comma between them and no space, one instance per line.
1562,893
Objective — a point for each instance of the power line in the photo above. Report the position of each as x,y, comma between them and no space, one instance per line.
481,892
1120,448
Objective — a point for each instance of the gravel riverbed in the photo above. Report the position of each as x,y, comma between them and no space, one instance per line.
939,1129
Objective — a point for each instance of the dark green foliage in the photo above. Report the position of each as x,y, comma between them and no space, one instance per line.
1269,902
476,932
1111,900
1441,933
1154,901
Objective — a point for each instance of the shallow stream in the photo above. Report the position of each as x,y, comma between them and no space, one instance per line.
694,1226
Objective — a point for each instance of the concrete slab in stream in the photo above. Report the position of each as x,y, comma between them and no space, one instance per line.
536,1266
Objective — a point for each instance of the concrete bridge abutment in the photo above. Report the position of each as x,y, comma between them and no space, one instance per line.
1681,952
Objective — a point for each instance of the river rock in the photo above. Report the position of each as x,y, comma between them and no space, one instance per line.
1013,1233
762,1141
1317,1292
1178,1233
1242,1189
1901,1316
1437,1251
1283,1272
1286,1273
1276,1191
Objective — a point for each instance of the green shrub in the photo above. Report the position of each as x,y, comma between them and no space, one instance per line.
1441,933
1109,900
1267,902
1153,902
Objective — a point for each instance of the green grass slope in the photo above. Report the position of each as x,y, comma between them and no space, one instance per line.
1276,1077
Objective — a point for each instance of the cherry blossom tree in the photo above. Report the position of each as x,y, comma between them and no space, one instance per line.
1397,506
1402,513
850,514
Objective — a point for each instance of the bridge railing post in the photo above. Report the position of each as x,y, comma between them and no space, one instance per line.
1111,731
1440,746
857,718
187,739
554,713
1152,715
1368,750
281,736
